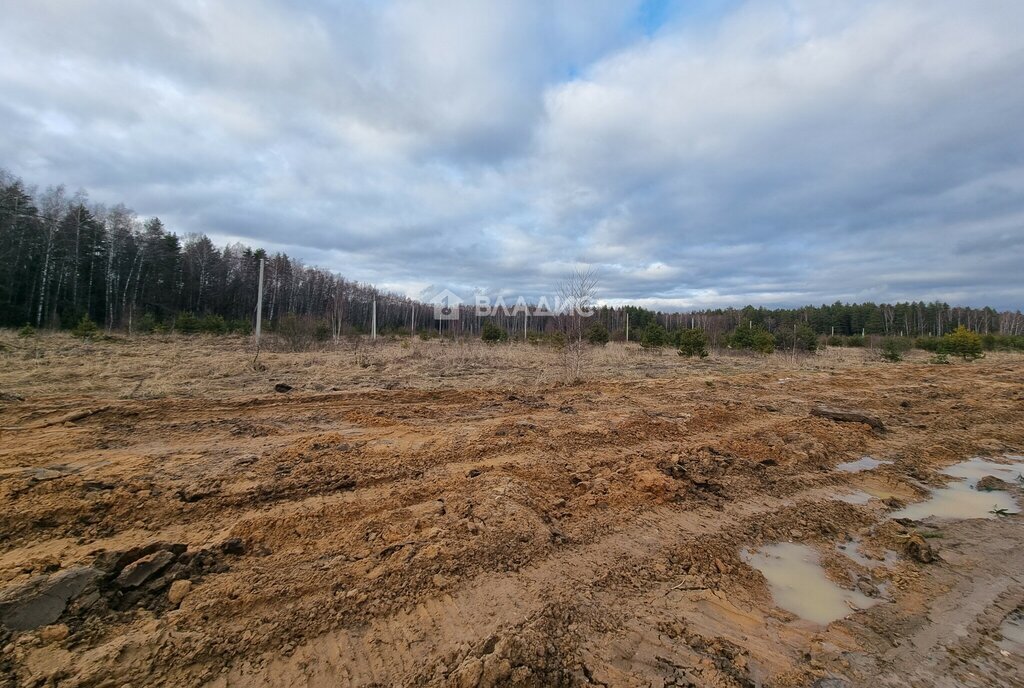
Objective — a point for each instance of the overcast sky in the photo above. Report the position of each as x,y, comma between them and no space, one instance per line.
695,153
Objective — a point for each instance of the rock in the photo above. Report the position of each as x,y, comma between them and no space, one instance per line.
282,388
843,416
179,590
233,546
42,600
991,482
141,570
918,548
55,633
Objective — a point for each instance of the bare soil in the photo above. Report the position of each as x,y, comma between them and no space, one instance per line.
427,513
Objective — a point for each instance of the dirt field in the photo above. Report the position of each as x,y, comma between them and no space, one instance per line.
422,513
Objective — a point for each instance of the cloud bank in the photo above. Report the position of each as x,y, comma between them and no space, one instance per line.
697,154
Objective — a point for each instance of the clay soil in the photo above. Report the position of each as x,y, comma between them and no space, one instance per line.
435,514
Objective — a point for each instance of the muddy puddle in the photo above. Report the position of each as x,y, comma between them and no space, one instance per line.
799,585
961,499
1012,632
866,463
857,497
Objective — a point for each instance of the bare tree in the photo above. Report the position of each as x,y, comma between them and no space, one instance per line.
576,295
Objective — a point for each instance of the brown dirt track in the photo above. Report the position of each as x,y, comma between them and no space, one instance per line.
434,514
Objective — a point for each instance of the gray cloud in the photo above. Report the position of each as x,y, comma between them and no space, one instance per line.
766,152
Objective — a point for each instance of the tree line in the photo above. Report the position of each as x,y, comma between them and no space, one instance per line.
63,258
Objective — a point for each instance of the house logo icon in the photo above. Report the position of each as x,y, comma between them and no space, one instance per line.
446,305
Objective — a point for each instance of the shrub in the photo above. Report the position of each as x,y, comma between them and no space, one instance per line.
802,339
597,334
85,328
856,341
940,359
146,324
752,339
239,326
295,333
893,349
322,331
964,343
930,344
556,340
654,336
27,331
212,324
692,343
186,323
491,333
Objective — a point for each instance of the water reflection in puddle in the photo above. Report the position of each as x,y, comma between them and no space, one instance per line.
863,464
960,499
799,585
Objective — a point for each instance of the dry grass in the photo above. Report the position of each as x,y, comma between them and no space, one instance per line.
171,365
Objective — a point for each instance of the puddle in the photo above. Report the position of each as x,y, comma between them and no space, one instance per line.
960,500
851,549
858,497
799,585
860,465
1012,631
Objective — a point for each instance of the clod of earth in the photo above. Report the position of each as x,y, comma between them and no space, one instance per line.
178,591
845,416
919,549
990,483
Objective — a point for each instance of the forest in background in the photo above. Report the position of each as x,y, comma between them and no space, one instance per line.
63,258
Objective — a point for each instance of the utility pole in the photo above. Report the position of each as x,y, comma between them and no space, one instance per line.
374,326
526,316
259,307
627,326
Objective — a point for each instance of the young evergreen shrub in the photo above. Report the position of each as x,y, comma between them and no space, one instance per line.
692,343
749,338
213,324
893,349
491,333
85,328
186,323
964,343
146,324
597,334
654,336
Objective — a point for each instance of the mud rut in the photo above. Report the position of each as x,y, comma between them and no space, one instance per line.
566,536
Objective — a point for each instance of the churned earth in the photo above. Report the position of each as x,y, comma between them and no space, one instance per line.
428,513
